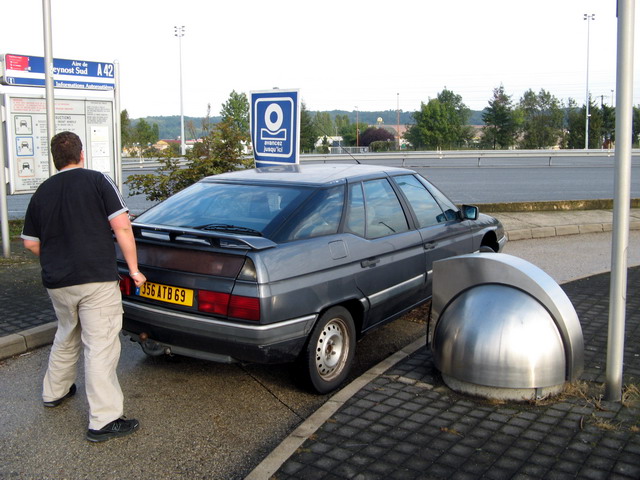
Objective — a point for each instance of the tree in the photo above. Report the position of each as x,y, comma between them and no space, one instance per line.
596,126
601,125
219,150
324,146
498,117
542,119
636,127
608,125
125,129
341,121
323,124
374,134
441,123
308,134
575,125
236,110
351,133
145,135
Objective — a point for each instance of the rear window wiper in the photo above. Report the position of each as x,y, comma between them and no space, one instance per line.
223,227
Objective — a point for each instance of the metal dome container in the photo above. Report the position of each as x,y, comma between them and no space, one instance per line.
504,328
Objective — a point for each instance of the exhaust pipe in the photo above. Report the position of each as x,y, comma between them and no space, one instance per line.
151,347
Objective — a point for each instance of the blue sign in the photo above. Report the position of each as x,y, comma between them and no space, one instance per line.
27,70
275,127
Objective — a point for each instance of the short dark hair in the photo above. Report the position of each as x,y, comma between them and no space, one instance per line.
66,148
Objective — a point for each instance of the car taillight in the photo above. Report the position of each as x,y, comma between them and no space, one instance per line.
213,302
236,306
126,285
247,308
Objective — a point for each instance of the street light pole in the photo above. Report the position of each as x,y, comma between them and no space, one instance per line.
588,18
398,118
179,32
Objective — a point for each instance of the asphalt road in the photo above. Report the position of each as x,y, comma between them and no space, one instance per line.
206,420
527,184
473,185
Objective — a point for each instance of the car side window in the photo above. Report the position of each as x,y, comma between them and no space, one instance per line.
424,205
355,211
450,210
384,213
320,216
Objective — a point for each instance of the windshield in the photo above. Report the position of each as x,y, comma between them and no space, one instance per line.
228,207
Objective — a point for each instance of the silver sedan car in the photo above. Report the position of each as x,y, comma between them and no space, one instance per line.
294,263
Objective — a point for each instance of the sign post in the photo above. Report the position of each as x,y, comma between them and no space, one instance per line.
4,216
275,127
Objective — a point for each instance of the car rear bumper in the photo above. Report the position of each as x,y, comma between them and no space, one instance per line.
191,335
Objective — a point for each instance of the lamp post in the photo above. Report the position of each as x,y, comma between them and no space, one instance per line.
588,18
398,118
179,32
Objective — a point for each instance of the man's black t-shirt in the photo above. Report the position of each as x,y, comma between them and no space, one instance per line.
69,214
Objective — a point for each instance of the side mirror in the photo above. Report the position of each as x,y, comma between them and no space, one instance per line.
469,212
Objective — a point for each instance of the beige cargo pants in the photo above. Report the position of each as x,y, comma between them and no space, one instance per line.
89,316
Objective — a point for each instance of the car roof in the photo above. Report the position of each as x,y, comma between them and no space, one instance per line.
311,174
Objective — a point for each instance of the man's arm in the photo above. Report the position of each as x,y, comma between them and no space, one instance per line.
32,245
124,236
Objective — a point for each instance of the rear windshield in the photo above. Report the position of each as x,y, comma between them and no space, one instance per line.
227,207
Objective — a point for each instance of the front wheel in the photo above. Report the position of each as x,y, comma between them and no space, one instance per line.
329,354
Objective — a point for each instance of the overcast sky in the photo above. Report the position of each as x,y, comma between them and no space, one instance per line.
373,55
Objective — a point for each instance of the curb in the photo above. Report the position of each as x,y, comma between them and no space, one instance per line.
561,230
553,206
20,343
270,465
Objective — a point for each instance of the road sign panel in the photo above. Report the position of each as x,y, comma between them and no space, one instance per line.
26,70
275,127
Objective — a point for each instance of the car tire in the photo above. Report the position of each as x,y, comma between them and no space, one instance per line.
328,358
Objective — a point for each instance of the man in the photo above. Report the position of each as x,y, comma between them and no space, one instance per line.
69,224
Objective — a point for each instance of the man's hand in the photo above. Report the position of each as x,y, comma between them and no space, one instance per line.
138,278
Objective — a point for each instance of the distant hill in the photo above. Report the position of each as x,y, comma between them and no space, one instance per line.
169,126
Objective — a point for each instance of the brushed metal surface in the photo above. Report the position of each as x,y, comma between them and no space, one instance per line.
454,276
499,336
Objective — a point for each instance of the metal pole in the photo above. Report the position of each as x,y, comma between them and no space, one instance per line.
588,18
4,211
48,80
398,118
622,194
180,33
116,96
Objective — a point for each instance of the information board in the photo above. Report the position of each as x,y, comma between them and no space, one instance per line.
28,146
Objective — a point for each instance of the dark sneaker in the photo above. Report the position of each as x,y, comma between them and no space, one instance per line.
55,403
117,428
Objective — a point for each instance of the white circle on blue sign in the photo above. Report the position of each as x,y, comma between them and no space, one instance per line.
273,109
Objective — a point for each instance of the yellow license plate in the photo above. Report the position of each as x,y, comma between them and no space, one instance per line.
166,293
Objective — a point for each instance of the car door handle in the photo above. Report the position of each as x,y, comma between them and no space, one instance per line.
429,246
370,262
